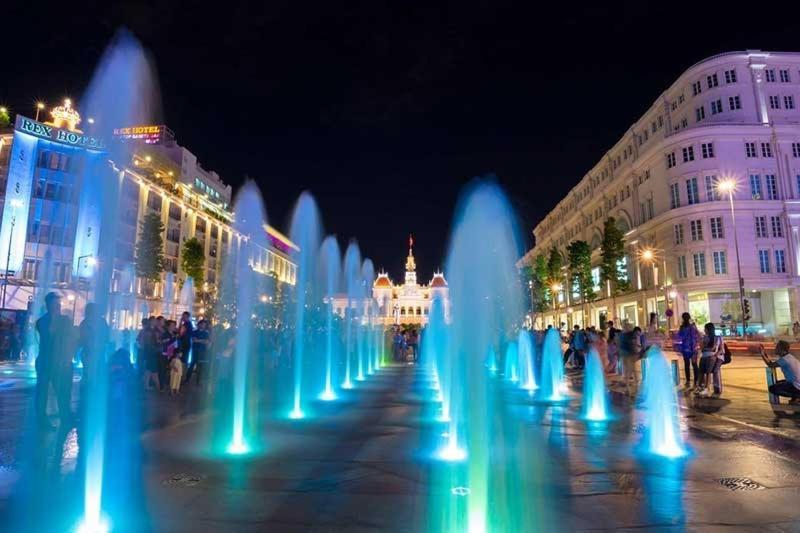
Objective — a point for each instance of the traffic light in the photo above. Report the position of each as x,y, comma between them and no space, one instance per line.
746,309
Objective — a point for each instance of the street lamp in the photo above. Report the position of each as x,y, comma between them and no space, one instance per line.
648,255
728,185
39,109
15,204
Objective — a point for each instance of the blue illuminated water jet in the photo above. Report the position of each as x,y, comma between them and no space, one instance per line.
352,275
330,262
305,231
552,378
512,362
595,396
662,434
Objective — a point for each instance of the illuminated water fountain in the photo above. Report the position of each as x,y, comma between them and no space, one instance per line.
485,297
552,379
512,362
595,396
330,263
365,337
352,275
527,359
662,436
306,232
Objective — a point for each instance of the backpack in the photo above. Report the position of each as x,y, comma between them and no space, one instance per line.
727,352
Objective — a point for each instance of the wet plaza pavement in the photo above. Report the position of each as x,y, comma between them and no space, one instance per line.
365,464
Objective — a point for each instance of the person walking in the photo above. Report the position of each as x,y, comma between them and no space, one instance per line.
54,363
612,350
689,337
150,347
629,348
711,350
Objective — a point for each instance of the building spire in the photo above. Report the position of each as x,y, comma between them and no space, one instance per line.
410,264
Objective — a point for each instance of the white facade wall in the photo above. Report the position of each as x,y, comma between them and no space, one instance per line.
633,183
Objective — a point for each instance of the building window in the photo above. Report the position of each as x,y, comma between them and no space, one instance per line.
780,262
795,149
696,230
750,150
784,73
682,267
688,154
761,227
700,113
720,263
755,186
651,212
774,102
766,150
763,261
716,228
772,186
788,102
670,159
716,106
730,76
677,231
734,103
692,196
712,188
707,149
770,73
684,122
699,263
696,88
675,196
154,201
712,81
777,226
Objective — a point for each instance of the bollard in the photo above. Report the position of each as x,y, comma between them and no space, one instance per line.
772,377
676,380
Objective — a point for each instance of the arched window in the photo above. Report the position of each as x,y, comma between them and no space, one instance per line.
402,310
419,311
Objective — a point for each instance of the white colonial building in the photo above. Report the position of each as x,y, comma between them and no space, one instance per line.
731,119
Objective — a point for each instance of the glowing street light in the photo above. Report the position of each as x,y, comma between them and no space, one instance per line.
39,108
728,185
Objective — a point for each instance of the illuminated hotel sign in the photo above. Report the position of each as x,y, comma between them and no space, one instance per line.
46,131
154,134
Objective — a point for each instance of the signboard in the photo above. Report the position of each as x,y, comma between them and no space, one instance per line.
45,131
13,231
148,134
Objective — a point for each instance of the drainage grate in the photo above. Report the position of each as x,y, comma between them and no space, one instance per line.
182,480
739,483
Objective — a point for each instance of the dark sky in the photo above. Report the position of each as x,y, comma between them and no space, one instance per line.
384,110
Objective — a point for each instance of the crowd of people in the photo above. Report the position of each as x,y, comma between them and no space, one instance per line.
621,351
168,355
405,345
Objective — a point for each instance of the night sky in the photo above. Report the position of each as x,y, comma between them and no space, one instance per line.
385,110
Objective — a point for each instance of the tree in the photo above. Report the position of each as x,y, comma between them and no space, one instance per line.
149,260
536,273
193,260
579,256
612,252
5,118
554,265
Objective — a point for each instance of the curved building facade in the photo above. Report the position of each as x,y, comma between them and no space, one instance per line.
731,119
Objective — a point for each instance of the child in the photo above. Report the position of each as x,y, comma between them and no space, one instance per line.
175,374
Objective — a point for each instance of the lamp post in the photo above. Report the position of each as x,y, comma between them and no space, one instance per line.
648,255
729,186
555,288
15,204
39,108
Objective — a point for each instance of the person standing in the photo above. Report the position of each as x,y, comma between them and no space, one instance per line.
711,349
200,341
629,347
149,346
613,350
93,338
54,363
185,331
689,336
